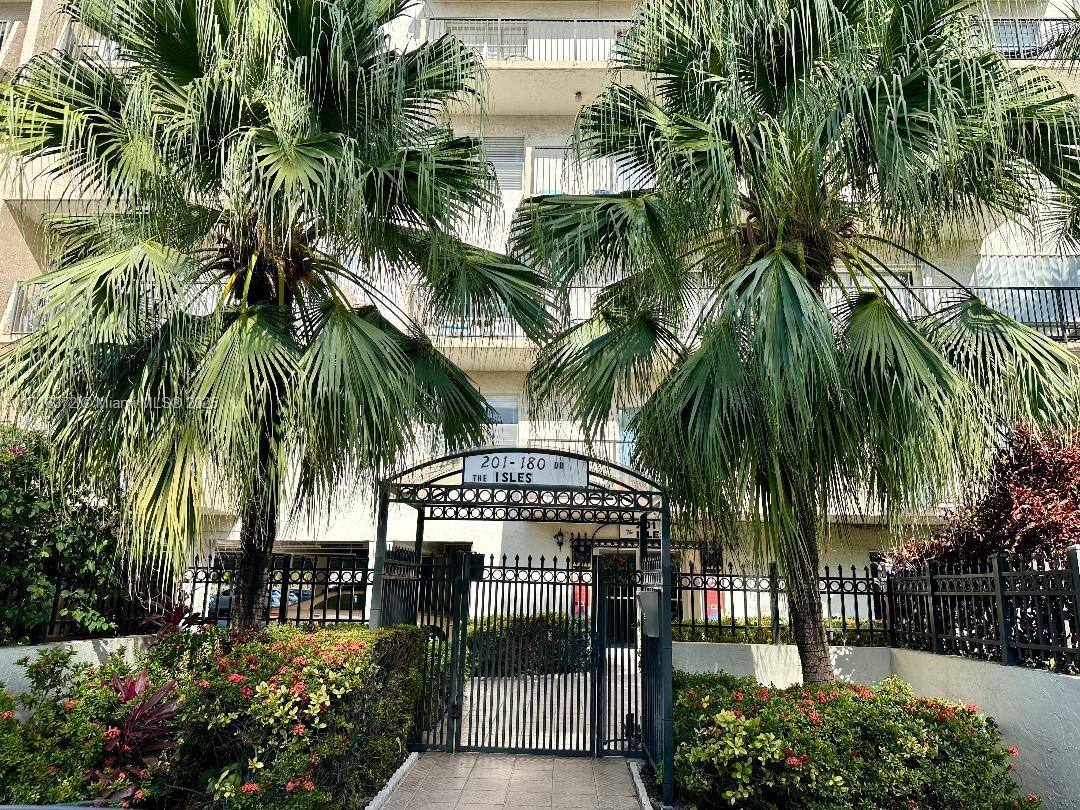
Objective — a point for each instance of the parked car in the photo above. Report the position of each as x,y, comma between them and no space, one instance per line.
219,605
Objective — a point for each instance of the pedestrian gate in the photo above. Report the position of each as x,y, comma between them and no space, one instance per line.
542,656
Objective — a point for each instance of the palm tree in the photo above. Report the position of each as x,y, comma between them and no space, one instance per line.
266,178
783,157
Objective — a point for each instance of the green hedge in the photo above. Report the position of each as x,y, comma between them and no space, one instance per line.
758,630
843,745
276,718
541,644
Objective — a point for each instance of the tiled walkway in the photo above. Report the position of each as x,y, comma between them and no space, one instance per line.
507,780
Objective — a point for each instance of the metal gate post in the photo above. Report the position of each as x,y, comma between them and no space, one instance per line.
376,602
667,706
599,636
459,617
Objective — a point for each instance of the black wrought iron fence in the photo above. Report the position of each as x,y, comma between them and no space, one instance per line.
303,590
722,604
78,610
1016,610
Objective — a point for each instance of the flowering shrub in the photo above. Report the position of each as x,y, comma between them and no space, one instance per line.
287,718
269,718
739,744
88,732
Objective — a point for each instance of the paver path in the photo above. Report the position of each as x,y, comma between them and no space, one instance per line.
478,781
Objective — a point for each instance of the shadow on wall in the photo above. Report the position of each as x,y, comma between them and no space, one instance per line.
778,664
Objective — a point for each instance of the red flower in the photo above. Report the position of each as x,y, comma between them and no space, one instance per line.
51,770
793,762
223,664
236,677
299,729
815,717
7,715
140,795
250,787
738,695
246,692
309,785
738,714
1013,751
112,733
69,705
204,684
292,785
299,661
971,707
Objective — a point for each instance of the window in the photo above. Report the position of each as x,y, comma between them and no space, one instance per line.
505,432
29,300
1016,39
507,157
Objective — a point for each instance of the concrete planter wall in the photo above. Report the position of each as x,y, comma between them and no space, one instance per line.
1038,712
96,651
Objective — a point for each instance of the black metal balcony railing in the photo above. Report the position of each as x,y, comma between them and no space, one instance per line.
537,40
1054,311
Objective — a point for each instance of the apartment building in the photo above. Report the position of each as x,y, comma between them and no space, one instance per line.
545,59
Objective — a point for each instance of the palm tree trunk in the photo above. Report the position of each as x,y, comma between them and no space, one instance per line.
258,531
804,602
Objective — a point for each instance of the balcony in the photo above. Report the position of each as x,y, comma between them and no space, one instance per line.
533,40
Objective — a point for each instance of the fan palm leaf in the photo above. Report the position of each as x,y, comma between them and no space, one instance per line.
254,184
782,161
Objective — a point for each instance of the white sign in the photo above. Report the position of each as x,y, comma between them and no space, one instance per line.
525,470
630,531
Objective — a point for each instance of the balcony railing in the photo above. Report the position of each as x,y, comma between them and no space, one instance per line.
1020,38
1054,311
614,450
555,171
81,41
537,40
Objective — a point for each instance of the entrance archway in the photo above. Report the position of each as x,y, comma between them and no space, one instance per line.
524,657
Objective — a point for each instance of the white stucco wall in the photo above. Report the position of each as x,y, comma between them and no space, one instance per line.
95,651
1038,712
777,664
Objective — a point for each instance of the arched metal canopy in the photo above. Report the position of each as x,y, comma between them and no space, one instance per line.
526,484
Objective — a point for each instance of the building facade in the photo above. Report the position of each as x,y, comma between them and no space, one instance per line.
544,60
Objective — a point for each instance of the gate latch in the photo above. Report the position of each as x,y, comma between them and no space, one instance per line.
455,711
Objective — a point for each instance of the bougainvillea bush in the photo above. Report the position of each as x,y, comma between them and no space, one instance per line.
1031,507
739,744
274,718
